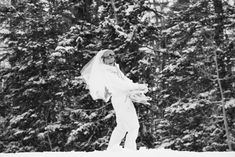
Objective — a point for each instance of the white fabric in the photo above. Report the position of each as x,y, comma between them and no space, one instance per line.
117,83
105,81
127,122
123,90
92,75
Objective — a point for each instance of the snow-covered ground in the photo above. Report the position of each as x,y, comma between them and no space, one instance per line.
142,153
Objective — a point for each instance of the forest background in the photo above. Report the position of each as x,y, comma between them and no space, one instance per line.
183,49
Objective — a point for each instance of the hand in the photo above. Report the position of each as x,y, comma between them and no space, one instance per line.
143,87
140,98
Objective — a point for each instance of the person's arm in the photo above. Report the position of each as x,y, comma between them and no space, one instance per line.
122,83
142,87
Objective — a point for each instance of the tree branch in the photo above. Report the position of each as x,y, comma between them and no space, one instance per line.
114,10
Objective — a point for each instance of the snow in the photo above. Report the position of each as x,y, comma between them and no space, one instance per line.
171,68
142,152
66,48
130,9
18,118
56,54
147,50
231,2
43,1
101,9
52,127
149,16
230,103
4,31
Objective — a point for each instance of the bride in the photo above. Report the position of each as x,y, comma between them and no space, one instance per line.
105,81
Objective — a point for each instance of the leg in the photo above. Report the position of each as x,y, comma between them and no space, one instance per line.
116,137
127,121
131,138
132,126
119,131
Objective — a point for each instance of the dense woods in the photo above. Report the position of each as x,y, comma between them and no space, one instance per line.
184,50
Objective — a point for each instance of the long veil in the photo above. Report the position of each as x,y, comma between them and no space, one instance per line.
92,75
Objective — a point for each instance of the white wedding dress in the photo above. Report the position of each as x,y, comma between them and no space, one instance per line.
105,82
120,88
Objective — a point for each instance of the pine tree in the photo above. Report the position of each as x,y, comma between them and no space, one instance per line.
191,98
29,94
49,108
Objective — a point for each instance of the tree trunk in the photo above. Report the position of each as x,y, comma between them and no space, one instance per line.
221,90
218,37
218,6
223,104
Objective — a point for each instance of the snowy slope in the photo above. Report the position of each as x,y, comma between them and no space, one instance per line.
142,153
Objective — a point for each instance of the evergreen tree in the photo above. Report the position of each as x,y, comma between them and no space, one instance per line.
191,100
49,108
46,107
